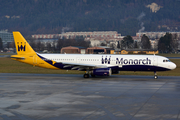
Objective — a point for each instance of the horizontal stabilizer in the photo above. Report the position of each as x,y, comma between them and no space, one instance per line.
17,57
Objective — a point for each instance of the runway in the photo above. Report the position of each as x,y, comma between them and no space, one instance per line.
71,97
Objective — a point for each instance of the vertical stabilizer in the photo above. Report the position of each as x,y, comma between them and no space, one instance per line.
22,46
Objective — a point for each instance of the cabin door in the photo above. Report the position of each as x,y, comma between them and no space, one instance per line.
155,61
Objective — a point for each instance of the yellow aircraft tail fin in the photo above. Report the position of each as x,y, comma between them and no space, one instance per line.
22,46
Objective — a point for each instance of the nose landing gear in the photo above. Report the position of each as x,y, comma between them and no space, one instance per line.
155,75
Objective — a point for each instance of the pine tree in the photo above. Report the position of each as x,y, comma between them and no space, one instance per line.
135,44
167,44
1,44
127,42
118,45
145,42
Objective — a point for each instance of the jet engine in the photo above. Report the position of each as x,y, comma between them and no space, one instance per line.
102,72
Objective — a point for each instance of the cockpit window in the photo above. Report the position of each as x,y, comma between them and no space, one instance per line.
166,61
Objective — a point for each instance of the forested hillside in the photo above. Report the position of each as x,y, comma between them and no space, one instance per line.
56,16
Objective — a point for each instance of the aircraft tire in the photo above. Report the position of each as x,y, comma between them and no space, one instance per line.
155,76
86,75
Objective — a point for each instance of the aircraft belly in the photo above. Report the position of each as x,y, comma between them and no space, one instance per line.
141,68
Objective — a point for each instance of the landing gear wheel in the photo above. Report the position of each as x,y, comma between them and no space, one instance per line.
155,76
86,75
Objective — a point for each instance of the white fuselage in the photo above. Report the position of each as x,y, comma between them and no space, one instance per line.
124,62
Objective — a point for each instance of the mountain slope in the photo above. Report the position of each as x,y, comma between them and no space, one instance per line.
55,16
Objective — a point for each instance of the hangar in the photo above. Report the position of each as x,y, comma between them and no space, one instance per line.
96,50
90,50
73,50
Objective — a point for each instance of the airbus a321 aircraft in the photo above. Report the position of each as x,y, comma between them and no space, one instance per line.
94,65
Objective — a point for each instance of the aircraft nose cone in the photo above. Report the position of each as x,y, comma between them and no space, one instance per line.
173,66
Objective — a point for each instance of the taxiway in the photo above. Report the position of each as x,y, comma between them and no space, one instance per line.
71,97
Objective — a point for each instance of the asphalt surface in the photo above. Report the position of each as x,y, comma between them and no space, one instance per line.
71,97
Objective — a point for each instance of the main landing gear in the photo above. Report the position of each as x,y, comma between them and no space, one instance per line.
86,75
155,75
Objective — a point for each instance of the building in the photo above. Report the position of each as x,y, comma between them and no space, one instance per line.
96,50
53,42
73,50
72,35
46,36
6,37
137,51
94,34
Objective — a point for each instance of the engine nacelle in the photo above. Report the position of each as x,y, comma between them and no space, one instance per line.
102,72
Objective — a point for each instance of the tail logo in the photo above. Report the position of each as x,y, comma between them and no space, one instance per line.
21,47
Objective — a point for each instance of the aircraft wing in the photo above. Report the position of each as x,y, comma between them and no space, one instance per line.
81,66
